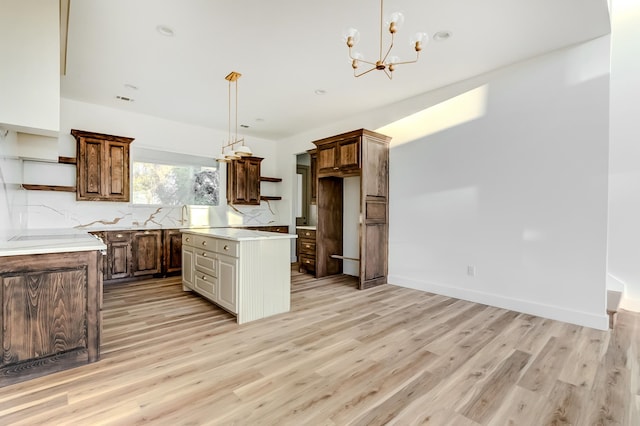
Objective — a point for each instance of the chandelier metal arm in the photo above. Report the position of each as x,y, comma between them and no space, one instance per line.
363,73
388,51
360,60
409,62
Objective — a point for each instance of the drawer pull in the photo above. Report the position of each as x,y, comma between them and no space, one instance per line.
307,246
307,234
187,239
308,261
146,232
204,243
204,254
226,247
204,278
119,235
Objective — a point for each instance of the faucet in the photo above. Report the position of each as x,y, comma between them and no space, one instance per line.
183,213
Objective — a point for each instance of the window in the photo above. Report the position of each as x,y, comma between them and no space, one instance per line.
171,179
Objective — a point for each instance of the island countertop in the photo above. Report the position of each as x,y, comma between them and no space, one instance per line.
41,241
237,234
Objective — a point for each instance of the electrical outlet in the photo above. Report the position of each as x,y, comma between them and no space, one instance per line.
471,270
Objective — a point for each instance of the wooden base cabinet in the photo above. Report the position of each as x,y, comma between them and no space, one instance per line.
251,278
307,249
51,317
140,253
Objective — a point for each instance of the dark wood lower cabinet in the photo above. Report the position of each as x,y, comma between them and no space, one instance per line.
172,251
146,252
50,313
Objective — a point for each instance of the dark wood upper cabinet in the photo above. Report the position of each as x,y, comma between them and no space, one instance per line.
243,181
338,155
102,166
358,153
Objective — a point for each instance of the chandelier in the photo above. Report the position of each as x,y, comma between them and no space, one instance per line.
242,150
385,62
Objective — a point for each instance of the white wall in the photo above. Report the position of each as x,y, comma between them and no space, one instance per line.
518,192
12,197
510,177
60,209
30,70
624,183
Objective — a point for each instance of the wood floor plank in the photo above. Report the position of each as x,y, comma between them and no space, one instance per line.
386,355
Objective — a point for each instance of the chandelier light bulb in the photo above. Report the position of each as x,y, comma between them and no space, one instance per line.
351,36
394,22
418,40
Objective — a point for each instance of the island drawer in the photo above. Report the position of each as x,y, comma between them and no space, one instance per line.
187,239
218,245
205,261
205,284
307,233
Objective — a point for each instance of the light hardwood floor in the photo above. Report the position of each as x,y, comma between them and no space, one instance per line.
387,355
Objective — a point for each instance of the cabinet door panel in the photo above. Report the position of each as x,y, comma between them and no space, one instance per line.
119,260
187,266
119,170
147,253
227,295
172,247
46,314
326,158
90,169
253,183
348,157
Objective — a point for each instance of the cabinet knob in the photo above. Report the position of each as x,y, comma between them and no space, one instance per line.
119,235
204,278
336,168
187,239
307,234
146,232
307,246
308,261
225,247
204,254
204,243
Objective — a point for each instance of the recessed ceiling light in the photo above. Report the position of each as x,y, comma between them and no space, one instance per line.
442,35
320,92
130,86
165,30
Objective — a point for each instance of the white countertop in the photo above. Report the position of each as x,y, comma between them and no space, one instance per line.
40,241
308,227
238,234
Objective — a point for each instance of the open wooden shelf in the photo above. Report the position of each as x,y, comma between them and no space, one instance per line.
270,179
58,188
269,198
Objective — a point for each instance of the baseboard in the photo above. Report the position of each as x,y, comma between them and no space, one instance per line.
600,322
632,305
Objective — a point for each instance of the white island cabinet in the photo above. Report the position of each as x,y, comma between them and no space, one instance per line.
246,272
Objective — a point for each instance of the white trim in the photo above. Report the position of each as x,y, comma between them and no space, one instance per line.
600,322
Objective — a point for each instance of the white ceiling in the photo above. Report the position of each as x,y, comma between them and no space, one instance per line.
286,49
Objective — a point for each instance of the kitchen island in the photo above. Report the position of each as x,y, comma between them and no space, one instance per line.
245,272
51,295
